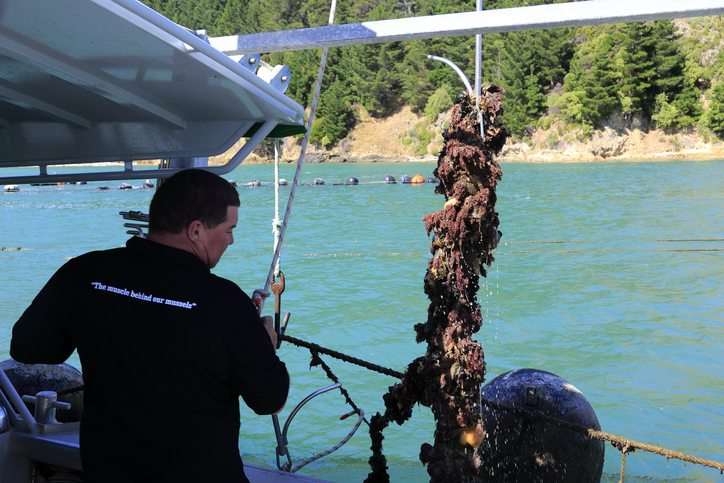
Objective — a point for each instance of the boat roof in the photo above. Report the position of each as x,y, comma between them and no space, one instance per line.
88,81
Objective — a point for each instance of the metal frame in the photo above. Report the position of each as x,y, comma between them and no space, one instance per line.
572,14
129,173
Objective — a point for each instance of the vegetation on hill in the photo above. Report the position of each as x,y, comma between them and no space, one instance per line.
666,74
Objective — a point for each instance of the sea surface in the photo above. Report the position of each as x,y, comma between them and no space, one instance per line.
610,275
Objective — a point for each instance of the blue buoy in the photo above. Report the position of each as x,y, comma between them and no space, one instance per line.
318,181
405,179
517,448
254,182
390,179
352,180
147,184
431,180
125,186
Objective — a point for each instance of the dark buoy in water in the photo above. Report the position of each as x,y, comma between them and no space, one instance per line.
318,181
405,179
283,182
254,182
517,448
102,188
81,182
233,183
352,180
390,179
431,180
30,379
147,184
125,186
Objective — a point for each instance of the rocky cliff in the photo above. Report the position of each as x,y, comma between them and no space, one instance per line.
395,139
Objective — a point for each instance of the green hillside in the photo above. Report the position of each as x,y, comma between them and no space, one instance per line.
665,74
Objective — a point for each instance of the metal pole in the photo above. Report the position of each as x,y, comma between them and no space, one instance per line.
478,52
456,69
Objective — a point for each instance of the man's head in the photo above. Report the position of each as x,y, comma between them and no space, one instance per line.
189,195
196,211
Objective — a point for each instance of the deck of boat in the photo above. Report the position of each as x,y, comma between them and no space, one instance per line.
58,446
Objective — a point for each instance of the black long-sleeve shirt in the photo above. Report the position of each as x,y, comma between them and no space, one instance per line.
166,349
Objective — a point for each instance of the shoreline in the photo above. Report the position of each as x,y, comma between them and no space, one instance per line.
539,156
532,158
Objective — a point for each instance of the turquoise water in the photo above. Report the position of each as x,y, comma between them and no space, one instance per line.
627,305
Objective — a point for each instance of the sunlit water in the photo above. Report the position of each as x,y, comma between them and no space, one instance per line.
626,305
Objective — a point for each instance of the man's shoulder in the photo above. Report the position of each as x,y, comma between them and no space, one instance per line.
225,286
225,291
94,257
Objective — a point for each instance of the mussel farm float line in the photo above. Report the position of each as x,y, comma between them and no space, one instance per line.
352,181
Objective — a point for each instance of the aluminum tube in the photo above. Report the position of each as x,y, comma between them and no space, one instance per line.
14,397
538,17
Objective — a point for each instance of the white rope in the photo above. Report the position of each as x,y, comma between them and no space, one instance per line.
300,161
276,223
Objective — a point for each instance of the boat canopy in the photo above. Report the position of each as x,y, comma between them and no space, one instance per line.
88,81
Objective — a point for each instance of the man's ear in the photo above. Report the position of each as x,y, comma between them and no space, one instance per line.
195,231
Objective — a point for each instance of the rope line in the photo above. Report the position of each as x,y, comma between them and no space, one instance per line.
317,361
620,443
343,357
618,250
623,464
300,161
583,241
276,223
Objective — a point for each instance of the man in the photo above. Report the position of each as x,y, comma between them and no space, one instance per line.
166,347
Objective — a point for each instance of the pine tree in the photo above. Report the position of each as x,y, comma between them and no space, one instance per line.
714,117
638,72
593,79
335,116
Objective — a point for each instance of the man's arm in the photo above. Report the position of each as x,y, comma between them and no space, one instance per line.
268,322
38,337
263,380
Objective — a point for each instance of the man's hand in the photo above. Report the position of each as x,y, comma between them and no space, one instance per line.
259,296
268,322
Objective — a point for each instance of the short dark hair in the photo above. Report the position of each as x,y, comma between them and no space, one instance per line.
189,195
